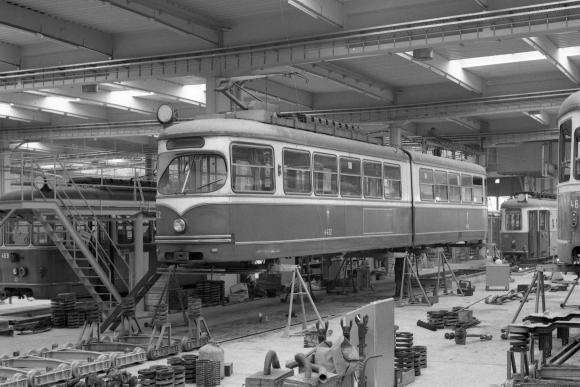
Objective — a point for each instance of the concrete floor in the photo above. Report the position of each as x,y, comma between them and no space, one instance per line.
475,364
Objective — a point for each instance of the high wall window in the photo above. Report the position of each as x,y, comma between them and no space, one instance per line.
17,233
297,174
252,168
325,175
426,183
350,176
467,188
513,220
373,179
392,181
193,173
441,186
478,189
454,188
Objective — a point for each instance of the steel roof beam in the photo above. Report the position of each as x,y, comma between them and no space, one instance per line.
555,56
19,114
48,105
168,89
447,70
329,11
349,79
10,54
108,130
52,28
502,24
108,99
516,103
467,123
172,16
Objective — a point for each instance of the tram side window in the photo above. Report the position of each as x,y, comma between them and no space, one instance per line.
252,168
297,172
124,232
426,183
477,189
40,236
513,220
467,188
441,187
325,175
454,188
392,181
17,233
373,185
350,176
564,150
577,154
193,173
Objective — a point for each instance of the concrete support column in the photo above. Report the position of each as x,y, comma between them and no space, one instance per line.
216,102
395,137
140,261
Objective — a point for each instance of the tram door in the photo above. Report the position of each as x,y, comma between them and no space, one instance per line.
539,234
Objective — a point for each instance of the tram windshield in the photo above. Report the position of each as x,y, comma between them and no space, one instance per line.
193,173
513,219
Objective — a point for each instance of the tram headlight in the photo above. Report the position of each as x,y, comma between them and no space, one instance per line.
179,225
574,219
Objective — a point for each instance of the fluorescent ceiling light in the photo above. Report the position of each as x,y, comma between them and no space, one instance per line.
130,93
570,51
306,7
499,59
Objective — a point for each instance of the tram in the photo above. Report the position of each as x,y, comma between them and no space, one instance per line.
252,186
569,180
103,213
529,227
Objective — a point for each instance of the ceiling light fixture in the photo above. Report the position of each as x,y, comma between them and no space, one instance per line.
312,12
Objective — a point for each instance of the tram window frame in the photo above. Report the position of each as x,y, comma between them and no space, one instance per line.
577,153
564,144
426,184
165,185
466,188
8,232
454,187
306,171
392,181
37,231
350,181
513,219
478,191
373,182
325,172
125,231
441,189
258,181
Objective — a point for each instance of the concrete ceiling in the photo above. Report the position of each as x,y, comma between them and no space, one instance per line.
78,71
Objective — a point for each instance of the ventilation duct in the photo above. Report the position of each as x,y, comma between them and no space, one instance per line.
423,54
90,88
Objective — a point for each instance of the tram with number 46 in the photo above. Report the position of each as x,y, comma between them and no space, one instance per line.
253,185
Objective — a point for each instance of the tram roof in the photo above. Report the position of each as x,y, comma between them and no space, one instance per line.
571,103
530,202
299,135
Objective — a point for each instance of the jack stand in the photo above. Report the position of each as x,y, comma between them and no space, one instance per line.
346,329
408,264
562,305
90,332
198,328
302,290
441,263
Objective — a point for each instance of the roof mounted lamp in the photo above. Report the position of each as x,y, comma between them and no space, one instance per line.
166,114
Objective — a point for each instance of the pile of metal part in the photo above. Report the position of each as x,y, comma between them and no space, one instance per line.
456,317
503,298
409,358
530,358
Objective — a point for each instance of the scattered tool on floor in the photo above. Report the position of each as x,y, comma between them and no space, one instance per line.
460,334
503,298
426,325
